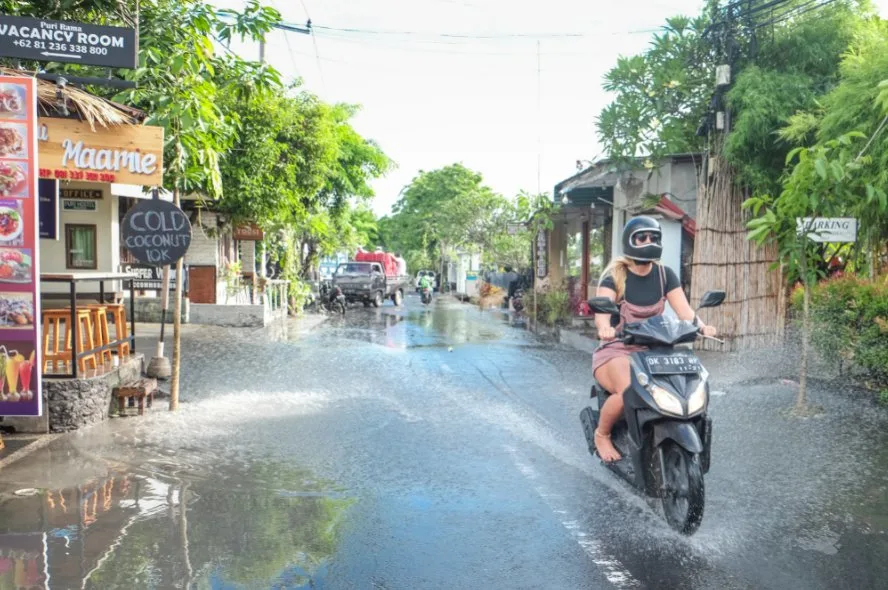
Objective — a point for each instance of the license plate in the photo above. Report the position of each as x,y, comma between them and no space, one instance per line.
673,364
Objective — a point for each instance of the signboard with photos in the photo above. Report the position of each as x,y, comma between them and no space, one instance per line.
19,250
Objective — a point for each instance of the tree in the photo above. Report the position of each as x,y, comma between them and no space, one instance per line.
512,248
815,188
828,180
442,211
663,94
280,159
858,103
356,162
792,69
843,174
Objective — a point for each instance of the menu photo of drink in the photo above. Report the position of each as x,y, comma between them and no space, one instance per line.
20,385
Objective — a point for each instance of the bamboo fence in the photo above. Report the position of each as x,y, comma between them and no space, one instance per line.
754,310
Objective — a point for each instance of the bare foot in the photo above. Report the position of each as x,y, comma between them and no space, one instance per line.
605,448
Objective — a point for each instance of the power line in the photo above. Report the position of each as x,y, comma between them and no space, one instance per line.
314,42
440,46
289,47
481,36
796,12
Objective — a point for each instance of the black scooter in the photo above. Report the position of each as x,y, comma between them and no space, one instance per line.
426,295
518,301
332,299
664,435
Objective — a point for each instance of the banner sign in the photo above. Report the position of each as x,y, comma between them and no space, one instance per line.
69,42
124,154
19,250
151,277
828,229
541,258
156,232
48,208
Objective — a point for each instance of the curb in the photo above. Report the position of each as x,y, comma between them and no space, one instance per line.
40,441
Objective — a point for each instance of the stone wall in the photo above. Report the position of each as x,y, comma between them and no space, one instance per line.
148,310
75,403
232,316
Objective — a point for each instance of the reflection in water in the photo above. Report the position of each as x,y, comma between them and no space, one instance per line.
399,328
243,526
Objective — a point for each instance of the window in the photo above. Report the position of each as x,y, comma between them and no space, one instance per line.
80,247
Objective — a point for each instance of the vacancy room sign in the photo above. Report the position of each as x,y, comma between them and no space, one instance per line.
19,250
77,43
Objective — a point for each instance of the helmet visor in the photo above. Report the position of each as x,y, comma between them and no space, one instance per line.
645,237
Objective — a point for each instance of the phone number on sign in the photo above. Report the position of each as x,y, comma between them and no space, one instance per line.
77,175
53,46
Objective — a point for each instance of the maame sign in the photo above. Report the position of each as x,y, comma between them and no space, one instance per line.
126,154
156,232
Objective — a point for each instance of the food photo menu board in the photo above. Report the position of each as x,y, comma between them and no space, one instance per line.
19,273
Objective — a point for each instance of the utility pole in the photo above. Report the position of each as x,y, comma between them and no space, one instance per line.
539,119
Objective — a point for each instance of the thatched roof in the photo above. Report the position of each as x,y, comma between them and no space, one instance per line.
93,109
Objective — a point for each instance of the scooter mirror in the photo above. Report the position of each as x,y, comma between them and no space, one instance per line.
604,305
712,299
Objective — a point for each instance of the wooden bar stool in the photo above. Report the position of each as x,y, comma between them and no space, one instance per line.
85,339
52,320
54,350
117,311
101,334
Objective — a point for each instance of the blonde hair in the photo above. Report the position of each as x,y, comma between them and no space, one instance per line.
617,269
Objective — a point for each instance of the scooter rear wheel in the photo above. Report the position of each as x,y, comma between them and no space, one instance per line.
684,493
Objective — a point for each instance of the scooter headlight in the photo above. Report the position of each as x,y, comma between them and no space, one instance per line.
697,400
666,401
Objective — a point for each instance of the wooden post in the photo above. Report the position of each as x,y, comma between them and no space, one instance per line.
177,328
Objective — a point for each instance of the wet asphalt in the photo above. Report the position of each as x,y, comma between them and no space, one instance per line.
434,447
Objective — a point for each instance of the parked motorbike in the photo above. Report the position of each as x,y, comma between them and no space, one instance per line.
332,298
665,434
426,295
518,300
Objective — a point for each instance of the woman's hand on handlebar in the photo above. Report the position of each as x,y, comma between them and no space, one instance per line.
708,331
607,333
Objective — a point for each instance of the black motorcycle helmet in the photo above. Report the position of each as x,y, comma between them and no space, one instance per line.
643,239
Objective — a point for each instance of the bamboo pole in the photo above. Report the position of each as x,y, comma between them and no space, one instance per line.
177,329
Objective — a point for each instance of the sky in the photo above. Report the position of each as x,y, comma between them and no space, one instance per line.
509,89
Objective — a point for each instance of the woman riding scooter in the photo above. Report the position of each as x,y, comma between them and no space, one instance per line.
641,287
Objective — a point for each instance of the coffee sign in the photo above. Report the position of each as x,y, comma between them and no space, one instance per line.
81,193
248,232
156,232
79,43
124,154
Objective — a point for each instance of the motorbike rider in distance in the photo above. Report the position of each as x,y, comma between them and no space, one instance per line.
425,282
641,286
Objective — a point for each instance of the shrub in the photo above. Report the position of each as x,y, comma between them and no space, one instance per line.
554,306
849,325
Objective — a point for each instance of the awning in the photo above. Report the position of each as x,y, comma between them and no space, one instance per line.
670,210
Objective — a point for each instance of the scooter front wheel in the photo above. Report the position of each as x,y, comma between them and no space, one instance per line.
683,489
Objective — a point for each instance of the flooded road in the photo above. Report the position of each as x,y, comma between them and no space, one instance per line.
432,448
